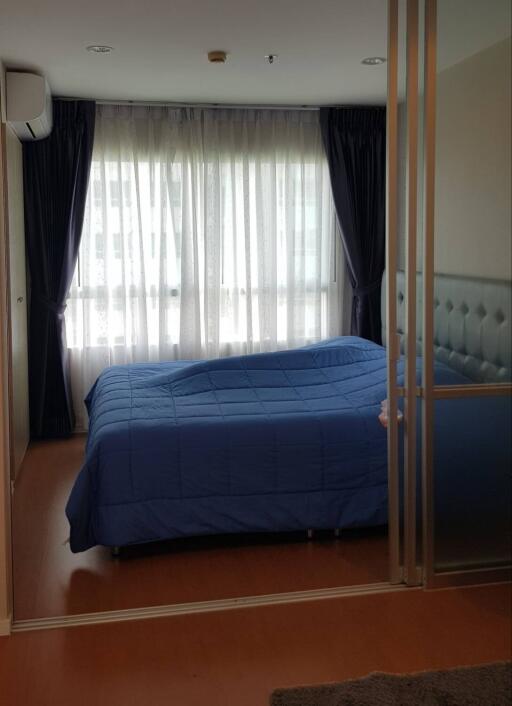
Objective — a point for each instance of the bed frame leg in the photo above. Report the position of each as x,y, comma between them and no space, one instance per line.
115,551
310,533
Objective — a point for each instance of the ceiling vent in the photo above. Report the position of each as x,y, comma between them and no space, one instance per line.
28,105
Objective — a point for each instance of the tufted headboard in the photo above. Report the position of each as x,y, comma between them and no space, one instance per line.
472,324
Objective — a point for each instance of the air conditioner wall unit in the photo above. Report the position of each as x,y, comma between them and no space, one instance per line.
28,105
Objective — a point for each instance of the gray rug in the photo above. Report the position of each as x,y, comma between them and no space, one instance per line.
485,685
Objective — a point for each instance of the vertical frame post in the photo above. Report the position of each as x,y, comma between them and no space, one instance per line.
410,486
427,417
393,347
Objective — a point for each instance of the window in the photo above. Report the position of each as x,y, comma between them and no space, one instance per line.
206,233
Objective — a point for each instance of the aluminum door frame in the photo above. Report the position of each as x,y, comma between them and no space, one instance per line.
403,541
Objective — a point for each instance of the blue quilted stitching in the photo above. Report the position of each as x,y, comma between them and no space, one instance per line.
257,411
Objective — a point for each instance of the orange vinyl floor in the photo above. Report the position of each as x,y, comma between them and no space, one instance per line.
237,657
51,581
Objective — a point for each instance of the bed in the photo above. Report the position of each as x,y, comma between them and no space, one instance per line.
260,443
272,442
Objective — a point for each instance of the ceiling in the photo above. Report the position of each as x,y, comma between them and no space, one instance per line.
161,45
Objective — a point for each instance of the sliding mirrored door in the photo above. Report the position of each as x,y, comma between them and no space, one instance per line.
466,405
449,292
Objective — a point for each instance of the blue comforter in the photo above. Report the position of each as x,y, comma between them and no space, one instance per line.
268,442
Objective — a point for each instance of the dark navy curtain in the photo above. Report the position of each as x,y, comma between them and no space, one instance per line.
55,174
355,145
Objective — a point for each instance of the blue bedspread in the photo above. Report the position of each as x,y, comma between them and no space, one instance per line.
269,442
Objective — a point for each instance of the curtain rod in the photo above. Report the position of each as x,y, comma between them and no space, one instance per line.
247,106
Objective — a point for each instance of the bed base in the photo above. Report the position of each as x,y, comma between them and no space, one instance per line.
310,533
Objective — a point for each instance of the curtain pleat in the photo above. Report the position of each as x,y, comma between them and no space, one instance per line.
55,174
355,145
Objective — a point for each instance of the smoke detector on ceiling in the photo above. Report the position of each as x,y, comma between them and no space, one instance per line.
373,60
99,49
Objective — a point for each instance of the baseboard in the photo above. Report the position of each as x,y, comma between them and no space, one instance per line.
5,626
167,611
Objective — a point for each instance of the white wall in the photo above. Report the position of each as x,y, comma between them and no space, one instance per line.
5,495
14,419
18,294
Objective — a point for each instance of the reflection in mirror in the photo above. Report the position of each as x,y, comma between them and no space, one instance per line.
473,499
472,448
473,255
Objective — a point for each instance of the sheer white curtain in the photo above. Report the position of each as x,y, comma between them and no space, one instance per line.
207,233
